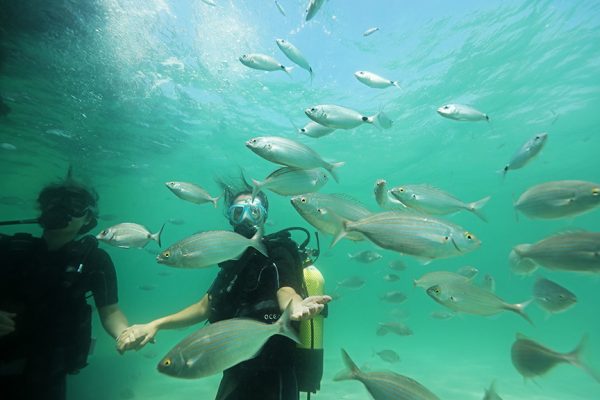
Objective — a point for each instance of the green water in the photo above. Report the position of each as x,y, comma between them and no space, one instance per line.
136,93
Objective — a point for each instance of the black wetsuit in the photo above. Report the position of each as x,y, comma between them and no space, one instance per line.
248,288
47,290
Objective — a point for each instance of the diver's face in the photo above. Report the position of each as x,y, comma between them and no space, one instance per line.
247,215
73,226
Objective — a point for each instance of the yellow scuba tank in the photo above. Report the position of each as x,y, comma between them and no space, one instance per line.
309,352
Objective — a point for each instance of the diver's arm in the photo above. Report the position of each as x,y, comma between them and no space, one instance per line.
113,320
301,308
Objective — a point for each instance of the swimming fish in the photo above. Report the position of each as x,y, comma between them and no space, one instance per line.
209,248
391,278
461,112
127,235
389,356
434,201
315,130
280,8
338,117
288,181
290,153
433,278
552,297
384,198
385,385
263,62
312,8
397,265
366,256
370,31
468,271
490,394
394,297
374,81
294,54
192,193
353,282
569,251
559,199
221,345
532,359
397,328
526,153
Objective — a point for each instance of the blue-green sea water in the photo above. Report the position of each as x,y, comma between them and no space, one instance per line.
135,93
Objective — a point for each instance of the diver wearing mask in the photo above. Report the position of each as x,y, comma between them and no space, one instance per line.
45,321
253,286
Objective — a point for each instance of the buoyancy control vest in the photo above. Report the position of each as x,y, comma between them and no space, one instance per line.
49,298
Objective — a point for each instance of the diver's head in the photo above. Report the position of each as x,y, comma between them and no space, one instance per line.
68,204
248,215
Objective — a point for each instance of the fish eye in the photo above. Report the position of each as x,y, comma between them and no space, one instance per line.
167,362
414,196
302,130
595,191
313,109
446,107
469,236
104,232
401,189
166,254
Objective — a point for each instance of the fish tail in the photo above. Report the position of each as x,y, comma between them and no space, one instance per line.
396,83
574,357
351,373
476,206
285,324
256,242
156,236
380,120
331,168
340,235
312,74
519,308
287,70
256,188
215,200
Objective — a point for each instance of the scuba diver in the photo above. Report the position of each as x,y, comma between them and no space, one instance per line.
45,321
254,286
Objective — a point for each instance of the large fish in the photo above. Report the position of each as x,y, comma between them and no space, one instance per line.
205,249
434,201
526,152
291,153
294,54
532,359
385,385
426,238
470,299
128,234
288,181
559,199
552,297
219,346
192,193
338,117
461,112
570,251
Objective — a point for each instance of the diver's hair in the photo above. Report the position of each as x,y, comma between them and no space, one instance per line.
233,187
69,187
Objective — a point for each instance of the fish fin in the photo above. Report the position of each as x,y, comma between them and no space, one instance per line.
332,166
340,235
381,120
285,324
519,308
396,83
352,371
312,74
256,187
574,357
287,70
423,260
476,206
156,236
215,200
256,242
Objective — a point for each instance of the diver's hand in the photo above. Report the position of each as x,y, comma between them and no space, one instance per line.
7,323
135,337
309,307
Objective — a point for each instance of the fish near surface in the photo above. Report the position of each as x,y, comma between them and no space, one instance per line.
526,152
263,62
338,117
461,112
192,193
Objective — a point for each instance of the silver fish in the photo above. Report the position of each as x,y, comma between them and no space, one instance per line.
383,197
442,315
552,297
438,278
366,256
391,278
389,356
569,251
468,298
192,193
426,238
128,235
338,117
434,201
397,328
397,265
385,385
532,359
490,394
209,248
219,346
559,199
370,31
315,130
353,282
294,54
263,62
526,153
288,181
312,8
461,112
291,153
394,297
280,8
468,271
374,81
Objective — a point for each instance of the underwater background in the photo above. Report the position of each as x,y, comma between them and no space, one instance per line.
135,93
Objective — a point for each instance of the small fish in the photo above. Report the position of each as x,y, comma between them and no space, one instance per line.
383,197
442,315
280,8
288,181
438,278
366,256
127,235
209,2
468,271
490,394
397,265
315,130
460,112
391,278
532,359
209,248
312,7
353,282
526,153
370,31
394,297
389,356
221,345
397,328
489,283
434,201
552,297
569,251
8,146
263,62
559,199
468,298
385,385
338,117
290,153
192,193
374,81
295,55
